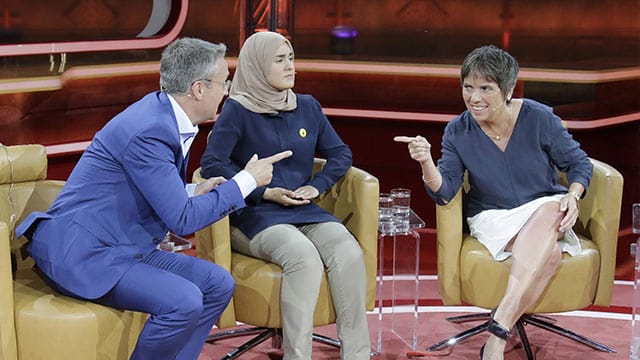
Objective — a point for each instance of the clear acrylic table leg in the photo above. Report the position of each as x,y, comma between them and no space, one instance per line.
402,288
634,348
405,287
377,344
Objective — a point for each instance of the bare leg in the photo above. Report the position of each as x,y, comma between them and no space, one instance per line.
536,257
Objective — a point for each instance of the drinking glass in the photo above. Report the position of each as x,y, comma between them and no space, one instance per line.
385,214
635,218
401,199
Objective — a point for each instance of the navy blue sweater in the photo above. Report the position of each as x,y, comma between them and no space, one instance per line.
539,146
239,133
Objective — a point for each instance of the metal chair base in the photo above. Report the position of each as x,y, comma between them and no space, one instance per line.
541,321
263,335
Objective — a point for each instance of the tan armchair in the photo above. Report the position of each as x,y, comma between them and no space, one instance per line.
468,274
256,300
36,322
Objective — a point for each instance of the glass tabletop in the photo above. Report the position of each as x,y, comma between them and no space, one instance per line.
415,221
388,227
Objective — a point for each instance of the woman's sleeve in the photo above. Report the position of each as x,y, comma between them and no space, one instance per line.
333,149
216,160
451,169
566,154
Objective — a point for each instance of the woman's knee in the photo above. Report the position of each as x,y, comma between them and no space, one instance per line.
546,218
348,252
549,211
300,255
335,241
304,261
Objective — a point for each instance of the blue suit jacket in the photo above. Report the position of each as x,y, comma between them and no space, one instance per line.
125,193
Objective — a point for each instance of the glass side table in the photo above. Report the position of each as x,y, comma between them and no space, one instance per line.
403,285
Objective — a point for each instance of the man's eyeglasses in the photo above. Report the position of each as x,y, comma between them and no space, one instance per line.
226,85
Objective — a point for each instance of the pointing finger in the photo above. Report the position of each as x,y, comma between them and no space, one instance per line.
279,156
404,139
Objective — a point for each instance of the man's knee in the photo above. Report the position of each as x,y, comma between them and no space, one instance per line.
219,284
188,307
226,287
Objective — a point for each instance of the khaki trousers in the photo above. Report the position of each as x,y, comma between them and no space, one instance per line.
303,252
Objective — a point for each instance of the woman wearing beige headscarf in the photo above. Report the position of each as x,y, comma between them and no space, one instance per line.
280,223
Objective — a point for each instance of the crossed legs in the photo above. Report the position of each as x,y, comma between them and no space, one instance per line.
536,257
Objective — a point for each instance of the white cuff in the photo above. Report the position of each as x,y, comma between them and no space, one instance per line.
191,188
245,182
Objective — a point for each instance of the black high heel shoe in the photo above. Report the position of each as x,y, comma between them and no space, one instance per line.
496,329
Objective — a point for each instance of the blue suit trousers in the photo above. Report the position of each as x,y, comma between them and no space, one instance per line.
184,296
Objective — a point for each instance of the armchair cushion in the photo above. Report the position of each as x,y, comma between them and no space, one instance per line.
53,326
482,278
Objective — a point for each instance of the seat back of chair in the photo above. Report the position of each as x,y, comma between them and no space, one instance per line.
24,189
600,221
460,256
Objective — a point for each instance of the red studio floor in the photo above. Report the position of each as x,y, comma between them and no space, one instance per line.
610,326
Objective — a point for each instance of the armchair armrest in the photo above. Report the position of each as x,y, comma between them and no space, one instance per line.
450,235
213,243
28,197
599,220
354,201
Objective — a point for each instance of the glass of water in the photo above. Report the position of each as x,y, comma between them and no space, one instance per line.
385,214
401,199
635,218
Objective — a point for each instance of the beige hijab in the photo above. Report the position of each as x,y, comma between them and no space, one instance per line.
250,87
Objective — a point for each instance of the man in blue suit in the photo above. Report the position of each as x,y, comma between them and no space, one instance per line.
98,240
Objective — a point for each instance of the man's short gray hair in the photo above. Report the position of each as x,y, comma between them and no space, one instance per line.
186,60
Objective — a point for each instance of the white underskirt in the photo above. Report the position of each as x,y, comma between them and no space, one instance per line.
495,228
